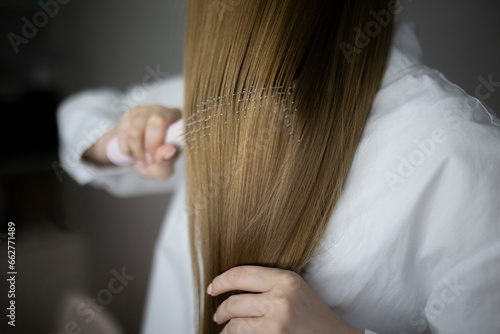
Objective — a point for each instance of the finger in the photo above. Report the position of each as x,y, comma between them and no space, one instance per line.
239,326
135,137
122,128
243,306
246,278
162,171
171,115
156,129
174,115
166,152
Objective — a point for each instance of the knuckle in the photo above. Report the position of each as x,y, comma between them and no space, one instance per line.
133,111
235,273
290,280
172,113
157,107
232,326
134,132
231,303
123,125
157,120
278,298
256,322
240,327
266,307
177,112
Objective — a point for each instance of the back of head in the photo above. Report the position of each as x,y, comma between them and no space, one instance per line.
265,162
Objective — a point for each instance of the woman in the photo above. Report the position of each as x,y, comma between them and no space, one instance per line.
325,192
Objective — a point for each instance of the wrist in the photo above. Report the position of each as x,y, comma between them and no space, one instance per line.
96,154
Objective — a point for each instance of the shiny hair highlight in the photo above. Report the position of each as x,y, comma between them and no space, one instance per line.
263,178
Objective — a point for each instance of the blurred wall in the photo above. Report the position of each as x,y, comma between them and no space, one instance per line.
86,44
460,38
112,42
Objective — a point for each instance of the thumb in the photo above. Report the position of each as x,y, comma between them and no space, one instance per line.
165,152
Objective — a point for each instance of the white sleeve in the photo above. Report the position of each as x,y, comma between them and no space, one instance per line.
84,117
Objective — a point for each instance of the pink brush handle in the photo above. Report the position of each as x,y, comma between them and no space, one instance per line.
174,137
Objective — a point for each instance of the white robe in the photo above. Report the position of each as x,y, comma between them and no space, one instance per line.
413,245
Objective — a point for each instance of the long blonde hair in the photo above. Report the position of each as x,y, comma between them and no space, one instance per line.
265,163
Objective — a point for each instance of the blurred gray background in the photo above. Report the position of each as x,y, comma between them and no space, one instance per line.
72,237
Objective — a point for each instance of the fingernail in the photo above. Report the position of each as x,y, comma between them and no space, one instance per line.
149,158
215,317
170,153
209,289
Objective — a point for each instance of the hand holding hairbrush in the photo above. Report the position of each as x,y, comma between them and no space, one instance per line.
173,136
